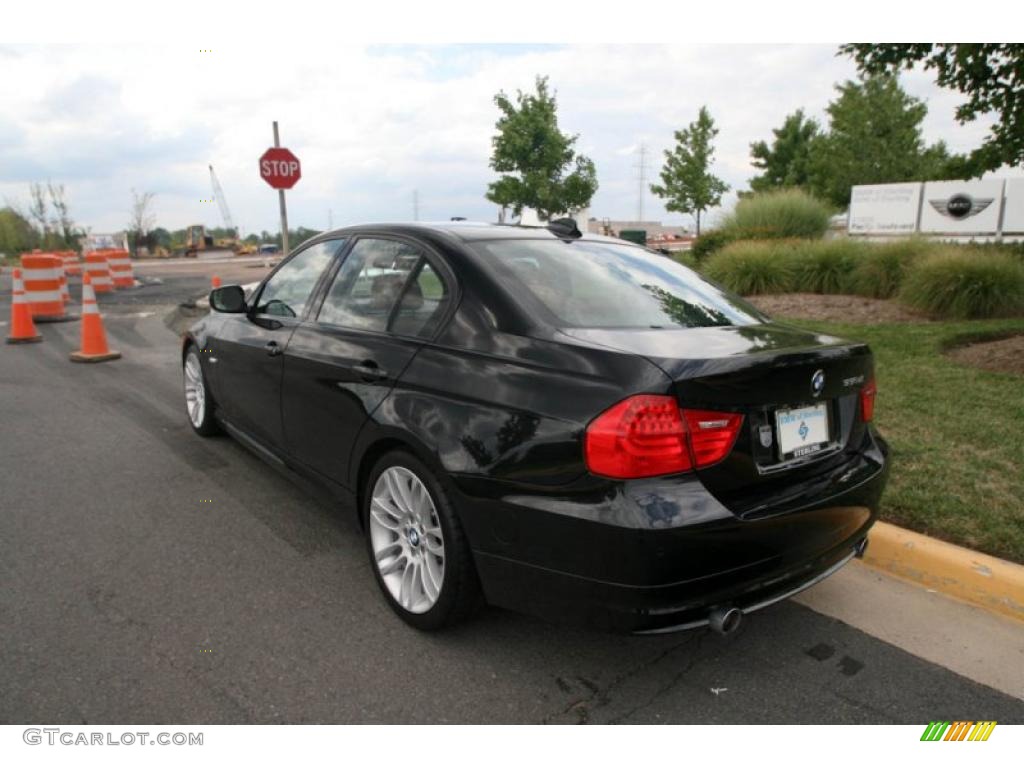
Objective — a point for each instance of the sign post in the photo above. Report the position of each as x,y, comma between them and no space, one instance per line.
280,169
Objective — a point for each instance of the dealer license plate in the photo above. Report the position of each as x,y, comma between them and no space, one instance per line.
802,431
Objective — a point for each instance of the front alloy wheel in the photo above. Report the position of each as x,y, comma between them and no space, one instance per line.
197,400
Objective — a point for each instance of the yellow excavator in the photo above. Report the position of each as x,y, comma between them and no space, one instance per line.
196,239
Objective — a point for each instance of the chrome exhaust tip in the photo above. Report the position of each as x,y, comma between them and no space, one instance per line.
725,620
861,548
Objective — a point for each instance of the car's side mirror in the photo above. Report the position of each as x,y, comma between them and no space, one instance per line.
228,298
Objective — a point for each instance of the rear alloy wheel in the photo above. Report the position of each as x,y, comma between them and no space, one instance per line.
418,550
198,404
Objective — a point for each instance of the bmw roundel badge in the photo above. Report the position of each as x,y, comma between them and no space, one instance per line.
818,383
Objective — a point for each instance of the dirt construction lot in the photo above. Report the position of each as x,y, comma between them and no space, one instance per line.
151,576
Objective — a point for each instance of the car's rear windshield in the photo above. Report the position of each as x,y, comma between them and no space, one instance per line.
587,284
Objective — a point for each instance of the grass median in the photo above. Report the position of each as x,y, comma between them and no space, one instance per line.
957,433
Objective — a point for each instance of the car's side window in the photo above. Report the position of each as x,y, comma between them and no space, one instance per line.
285,294
369,283
423,304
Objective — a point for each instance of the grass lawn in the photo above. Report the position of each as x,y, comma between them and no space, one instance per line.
957,434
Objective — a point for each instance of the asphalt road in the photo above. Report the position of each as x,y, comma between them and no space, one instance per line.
151,576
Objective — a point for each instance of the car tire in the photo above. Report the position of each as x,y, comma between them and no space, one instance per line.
396,530
199,405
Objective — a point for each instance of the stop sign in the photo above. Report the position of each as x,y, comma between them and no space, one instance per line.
280,168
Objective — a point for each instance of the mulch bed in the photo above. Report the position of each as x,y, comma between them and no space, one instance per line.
1002,355
835,308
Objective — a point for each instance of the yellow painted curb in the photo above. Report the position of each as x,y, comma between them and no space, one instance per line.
993,584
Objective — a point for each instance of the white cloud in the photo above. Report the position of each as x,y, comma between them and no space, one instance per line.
373,124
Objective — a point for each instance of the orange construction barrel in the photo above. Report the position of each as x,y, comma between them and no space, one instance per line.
42,274
96,267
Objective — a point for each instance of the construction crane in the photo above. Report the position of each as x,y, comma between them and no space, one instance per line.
197,240
225,214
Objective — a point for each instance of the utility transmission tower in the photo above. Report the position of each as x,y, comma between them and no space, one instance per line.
225,214
641,180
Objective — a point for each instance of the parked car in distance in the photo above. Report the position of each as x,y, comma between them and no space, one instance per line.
562,424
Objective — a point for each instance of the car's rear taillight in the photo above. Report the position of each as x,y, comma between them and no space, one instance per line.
867,400
648,435
712,434
640,437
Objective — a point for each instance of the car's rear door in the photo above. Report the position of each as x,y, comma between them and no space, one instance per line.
249,347
384,299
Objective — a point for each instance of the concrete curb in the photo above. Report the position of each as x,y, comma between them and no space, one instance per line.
988,582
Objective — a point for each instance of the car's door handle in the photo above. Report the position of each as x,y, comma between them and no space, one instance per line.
368,370
273,349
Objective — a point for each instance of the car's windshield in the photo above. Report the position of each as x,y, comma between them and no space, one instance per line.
606,285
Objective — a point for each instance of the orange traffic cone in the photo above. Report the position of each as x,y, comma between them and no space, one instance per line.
215,281
23,330
94,339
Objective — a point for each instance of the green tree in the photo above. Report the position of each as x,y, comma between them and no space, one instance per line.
539,165
16,233
991,75
786,162
937,162
160,237
687,184
874,137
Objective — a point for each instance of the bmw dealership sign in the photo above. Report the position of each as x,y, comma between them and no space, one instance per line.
976,209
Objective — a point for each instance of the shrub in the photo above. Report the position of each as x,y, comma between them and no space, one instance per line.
780,214
880,268
825,266
750,268
685,258
709,243
965,284
1013,250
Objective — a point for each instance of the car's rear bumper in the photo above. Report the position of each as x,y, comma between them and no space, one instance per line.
562,597
626,569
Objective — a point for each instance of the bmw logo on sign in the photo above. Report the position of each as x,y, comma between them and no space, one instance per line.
818,382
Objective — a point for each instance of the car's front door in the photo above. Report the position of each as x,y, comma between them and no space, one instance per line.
249,347
384,300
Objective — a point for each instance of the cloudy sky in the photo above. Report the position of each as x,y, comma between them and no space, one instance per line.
372,124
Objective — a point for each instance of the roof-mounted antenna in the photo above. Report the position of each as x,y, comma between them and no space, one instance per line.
564,228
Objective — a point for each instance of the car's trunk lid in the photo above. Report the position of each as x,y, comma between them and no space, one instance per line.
781,379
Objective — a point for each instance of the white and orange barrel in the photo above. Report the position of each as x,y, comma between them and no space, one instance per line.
65,294
41,274
120,264
72,266
96,268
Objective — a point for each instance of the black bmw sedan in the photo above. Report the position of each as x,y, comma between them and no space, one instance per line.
563,424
